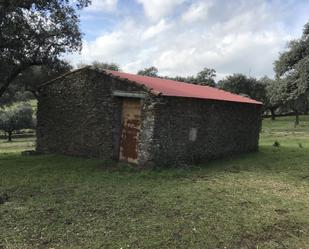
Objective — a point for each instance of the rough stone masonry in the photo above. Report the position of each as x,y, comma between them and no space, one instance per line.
78,114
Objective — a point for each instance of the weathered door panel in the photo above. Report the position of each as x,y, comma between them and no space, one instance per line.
131,113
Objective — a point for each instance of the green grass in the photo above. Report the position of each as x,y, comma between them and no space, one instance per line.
258,200
17,145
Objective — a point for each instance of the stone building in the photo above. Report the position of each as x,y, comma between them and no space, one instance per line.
114,115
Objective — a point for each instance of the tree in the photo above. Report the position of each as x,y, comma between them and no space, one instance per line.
292,68
150,71
102,65
36,32
24,86
205,77
241,84
16,117
14,94
274,95
294,89
35,76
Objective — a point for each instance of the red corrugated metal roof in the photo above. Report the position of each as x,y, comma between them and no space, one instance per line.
167,87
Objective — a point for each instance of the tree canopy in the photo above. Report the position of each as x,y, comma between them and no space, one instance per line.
296,55
16,117
36,32
292,69
243,85
274,97
205,77
102,65
150,71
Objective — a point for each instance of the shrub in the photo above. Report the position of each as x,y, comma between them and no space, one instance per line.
276,144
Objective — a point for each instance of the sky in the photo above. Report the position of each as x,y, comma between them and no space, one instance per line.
181,37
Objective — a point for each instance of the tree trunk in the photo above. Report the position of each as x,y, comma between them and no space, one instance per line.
273,115
10,136
296,118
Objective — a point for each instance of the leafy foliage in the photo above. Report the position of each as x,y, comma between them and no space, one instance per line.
13,94
292,68
296,54
24,86
241,84
15,118
273,92
34,76
36,32
274,97
102,65
206,77
150,71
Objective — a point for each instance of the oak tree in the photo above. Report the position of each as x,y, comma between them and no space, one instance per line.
292,68
16,117
36,32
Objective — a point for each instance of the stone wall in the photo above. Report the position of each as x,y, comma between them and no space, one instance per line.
77,115
193,131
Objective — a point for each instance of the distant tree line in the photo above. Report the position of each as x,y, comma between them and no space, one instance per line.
279,95
205,77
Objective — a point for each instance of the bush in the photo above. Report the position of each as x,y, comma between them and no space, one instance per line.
276,144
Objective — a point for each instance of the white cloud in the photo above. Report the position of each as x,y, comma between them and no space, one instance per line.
156,29
233,53
231,37
102,5
156,9
117,46
197,11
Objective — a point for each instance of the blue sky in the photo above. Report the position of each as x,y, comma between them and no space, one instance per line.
181,37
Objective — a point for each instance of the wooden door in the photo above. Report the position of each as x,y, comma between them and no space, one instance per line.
131,114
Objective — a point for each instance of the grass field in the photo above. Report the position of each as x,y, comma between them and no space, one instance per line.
17,145
259,200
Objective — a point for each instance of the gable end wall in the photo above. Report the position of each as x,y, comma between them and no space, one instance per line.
77,115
